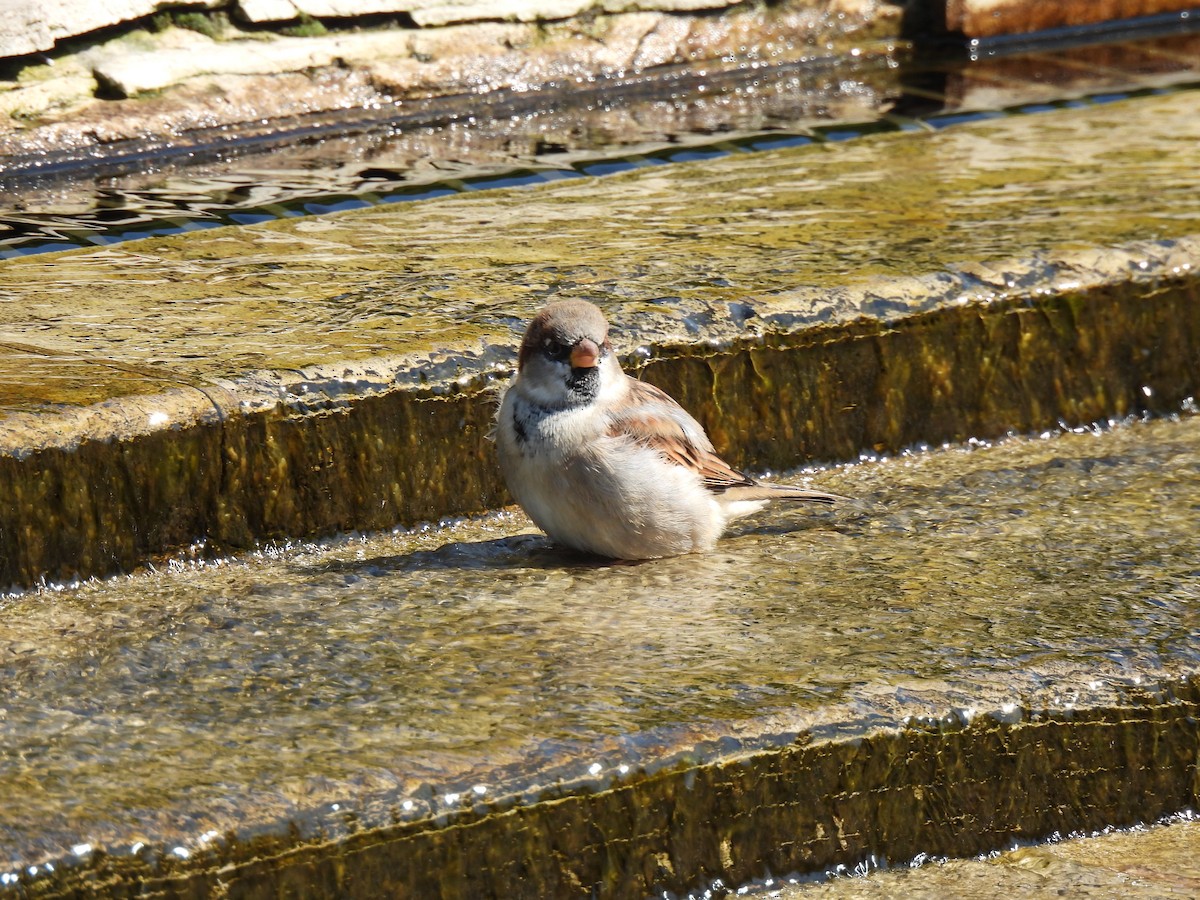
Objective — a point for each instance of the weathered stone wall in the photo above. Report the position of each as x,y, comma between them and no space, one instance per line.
31,26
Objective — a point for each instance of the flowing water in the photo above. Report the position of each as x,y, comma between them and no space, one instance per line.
1155,863
408,674
513,140
382,281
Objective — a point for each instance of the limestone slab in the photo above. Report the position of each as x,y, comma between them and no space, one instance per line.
192,54
28,26
268,10
446,12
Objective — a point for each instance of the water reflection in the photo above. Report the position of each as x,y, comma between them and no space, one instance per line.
337,299
663,120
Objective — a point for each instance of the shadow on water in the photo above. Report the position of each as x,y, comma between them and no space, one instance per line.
523,552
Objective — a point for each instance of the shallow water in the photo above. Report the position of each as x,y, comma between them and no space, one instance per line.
367,283
491,141
395,672
644,121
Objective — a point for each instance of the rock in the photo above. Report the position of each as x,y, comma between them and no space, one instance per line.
445,13
191,54
30,26
67,85
268,10
427,13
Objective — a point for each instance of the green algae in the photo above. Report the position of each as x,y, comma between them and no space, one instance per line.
819,688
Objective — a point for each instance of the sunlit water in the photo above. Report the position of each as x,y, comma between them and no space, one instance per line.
409,674
674,240
1144,863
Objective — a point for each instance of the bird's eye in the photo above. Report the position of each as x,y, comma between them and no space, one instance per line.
555,350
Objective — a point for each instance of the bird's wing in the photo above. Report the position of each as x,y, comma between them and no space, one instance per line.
653,419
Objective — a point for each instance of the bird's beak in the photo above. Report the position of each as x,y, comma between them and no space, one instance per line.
585,354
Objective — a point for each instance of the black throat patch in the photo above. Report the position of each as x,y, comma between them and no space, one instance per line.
584,384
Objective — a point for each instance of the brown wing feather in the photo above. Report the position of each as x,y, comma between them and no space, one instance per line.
655,420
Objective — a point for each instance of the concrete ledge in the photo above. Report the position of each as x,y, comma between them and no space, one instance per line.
937,789
1148,862
338,372
993,645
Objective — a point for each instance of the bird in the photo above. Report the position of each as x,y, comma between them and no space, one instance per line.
609,465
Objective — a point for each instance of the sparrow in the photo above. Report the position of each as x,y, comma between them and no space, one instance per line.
609,465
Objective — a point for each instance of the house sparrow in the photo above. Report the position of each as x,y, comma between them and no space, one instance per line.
608,464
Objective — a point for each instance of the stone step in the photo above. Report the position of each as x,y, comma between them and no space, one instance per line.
995,644
1141,864
339,372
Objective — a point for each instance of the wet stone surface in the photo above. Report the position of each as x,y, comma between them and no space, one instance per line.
232,709
336,372
212,87
449,144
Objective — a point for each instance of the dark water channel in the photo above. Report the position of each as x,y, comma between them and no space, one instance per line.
512,140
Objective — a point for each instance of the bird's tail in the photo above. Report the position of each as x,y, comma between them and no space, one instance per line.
781,492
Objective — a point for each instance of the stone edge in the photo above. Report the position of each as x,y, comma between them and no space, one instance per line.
863,794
